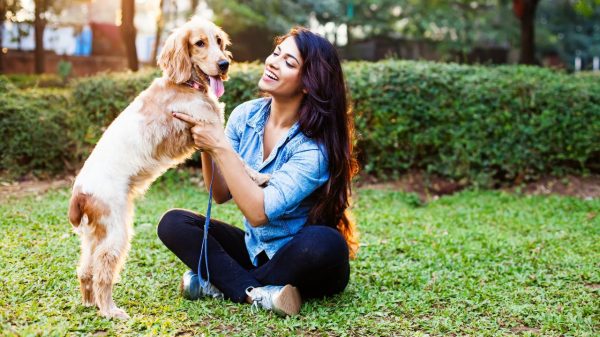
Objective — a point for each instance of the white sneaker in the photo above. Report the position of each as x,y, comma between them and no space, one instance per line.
190,288
283,300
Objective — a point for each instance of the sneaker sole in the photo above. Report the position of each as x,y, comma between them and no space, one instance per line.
288,302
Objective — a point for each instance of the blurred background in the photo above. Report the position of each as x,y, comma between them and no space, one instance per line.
486,93
82,37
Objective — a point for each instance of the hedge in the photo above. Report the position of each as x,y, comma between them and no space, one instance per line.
36,131
482,125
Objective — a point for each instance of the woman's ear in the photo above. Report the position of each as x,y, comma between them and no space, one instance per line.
174,59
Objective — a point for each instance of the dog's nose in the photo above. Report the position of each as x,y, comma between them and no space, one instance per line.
223,65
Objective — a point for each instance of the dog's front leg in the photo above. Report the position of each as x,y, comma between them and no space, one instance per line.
261,179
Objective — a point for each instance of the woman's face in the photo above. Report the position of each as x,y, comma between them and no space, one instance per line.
282,76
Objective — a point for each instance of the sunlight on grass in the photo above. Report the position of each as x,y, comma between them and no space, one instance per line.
484,263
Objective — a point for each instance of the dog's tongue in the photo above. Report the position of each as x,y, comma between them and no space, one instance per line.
216,85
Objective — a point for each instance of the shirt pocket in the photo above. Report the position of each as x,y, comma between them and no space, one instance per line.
273,231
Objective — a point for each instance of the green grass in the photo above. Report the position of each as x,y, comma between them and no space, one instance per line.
476,263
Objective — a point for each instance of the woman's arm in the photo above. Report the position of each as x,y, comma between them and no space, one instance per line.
247,195
230,174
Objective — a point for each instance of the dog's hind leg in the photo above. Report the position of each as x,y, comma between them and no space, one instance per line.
85,271
109,257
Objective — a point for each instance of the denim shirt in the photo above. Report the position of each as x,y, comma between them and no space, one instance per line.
297,165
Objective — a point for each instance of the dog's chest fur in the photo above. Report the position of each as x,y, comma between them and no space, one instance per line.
145,139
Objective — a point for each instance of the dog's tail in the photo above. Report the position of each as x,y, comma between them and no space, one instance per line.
77,207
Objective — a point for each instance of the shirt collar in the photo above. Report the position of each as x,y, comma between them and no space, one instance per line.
259,119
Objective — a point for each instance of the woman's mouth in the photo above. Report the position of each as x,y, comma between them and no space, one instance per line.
269,74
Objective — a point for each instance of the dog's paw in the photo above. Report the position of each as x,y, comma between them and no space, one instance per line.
115,312
89,302
87,291
262,179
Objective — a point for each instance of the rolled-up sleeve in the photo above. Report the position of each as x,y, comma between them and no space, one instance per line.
232,130
300,176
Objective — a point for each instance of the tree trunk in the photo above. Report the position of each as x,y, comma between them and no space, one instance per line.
40,25
193,5
528,8
160,24
128,33
2,17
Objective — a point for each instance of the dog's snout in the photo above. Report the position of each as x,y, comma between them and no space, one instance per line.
223,65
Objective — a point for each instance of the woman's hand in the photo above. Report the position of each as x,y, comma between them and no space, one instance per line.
246,194
207,136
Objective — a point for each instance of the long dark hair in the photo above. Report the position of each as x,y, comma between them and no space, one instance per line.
325,116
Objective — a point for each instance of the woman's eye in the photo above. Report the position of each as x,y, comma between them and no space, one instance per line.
289,65
200,43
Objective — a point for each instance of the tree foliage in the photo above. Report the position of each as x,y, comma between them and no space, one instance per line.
569,31
272,15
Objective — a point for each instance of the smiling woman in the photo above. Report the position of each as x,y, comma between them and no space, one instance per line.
298,234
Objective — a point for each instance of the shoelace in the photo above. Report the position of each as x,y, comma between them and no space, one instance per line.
256,300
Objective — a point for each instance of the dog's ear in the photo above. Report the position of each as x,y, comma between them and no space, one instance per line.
226,43
174,59
226,40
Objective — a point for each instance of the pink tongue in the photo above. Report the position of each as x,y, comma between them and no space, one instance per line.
216,85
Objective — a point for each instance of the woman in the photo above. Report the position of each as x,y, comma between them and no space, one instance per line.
298,234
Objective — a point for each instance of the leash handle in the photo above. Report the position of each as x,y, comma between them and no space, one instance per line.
204,248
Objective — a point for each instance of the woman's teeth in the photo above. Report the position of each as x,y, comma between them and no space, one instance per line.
271,75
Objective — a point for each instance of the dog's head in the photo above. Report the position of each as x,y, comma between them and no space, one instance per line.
197,47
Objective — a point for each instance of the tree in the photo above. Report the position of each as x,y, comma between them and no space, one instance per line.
193,6
160,25
128,33
568,32
4,8
456,26
277,16
42,10
252,24
41,6
525,12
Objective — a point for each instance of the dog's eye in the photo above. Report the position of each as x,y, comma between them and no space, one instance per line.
219,41
200,43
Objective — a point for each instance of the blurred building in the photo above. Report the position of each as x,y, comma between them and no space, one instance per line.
85,34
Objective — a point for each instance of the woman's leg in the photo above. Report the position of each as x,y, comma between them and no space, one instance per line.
228,260
315,261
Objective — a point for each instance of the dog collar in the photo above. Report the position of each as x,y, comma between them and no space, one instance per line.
193,84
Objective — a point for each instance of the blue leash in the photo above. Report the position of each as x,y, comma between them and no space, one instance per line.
204,248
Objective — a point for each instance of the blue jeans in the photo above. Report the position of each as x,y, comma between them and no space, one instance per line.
315,260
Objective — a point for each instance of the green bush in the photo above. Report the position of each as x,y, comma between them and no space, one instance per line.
476,123
24,81
482,125
5,84
99,99
34,128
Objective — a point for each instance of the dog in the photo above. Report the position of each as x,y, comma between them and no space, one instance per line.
140,145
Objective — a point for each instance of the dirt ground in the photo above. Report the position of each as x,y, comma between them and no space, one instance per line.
432,187
426,187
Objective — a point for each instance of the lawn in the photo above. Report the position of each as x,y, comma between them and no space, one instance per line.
476,263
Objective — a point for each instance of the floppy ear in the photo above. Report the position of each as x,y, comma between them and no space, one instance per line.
174,59
226,43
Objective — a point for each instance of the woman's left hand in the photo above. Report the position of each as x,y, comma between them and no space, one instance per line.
207,136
